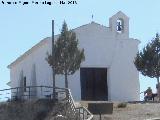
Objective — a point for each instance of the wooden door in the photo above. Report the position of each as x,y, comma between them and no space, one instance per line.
94,84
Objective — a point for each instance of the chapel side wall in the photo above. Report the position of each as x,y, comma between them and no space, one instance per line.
123,74
14,78
43,71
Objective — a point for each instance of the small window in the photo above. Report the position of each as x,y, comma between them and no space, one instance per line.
120,26
24,84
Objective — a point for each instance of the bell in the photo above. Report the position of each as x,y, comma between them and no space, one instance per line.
119,27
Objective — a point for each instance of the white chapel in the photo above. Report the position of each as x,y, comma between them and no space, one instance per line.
108,72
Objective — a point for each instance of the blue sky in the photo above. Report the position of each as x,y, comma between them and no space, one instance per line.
21,27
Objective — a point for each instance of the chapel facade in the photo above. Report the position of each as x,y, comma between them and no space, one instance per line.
108,72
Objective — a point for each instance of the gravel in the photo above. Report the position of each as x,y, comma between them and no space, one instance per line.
139,111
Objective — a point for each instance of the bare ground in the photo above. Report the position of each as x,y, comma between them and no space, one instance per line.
139,111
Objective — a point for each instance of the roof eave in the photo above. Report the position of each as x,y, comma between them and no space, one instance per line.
27,52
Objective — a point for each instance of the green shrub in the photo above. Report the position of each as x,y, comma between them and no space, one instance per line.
122,105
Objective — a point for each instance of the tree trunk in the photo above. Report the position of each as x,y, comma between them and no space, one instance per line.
54,84
66,80
157,80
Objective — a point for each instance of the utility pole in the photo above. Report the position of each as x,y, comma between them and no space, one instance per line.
53,55
158,67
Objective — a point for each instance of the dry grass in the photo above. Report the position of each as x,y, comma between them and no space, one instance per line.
30,110
34,110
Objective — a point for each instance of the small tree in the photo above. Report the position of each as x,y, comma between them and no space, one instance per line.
68,56
147,61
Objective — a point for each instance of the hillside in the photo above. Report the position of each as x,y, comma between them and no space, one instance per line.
31,110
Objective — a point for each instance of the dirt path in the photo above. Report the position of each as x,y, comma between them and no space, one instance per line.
138,111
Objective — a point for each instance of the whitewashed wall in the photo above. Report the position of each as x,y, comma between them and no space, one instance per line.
37,57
